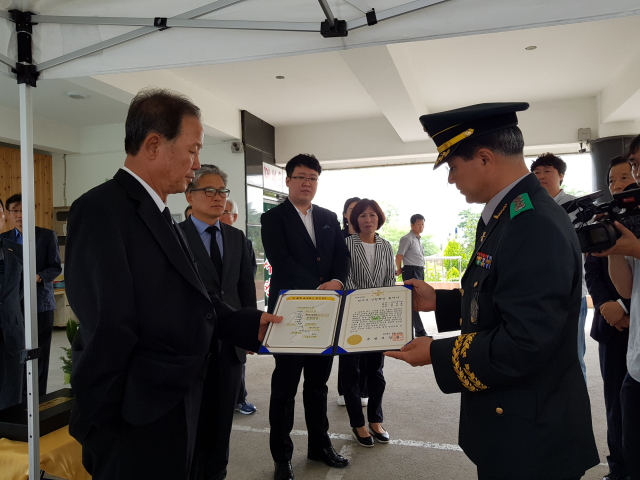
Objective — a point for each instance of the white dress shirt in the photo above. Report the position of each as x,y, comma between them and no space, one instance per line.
308,222
156,198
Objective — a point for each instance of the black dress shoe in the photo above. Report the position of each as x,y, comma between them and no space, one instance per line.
367,442
283,471
380,437
329,456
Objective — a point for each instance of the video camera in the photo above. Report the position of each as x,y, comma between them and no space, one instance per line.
602,235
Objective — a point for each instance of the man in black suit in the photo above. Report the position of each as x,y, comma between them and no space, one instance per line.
11,321
305,246
230,216
48,267
148,327
224,264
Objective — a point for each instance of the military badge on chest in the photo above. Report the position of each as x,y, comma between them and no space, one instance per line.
483,260
475,308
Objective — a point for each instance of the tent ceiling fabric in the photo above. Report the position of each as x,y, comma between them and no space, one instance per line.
179,47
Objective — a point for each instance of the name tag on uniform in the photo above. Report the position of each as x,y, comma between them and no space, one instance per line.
483,260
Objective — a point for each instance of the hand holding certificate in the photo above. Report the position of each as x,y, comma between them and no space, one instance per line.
330,323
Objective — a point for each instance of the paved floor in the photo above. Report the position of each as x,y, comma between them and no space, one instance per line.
422,421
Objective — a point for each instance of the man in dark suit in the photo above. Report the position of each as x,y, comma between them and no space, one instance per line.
230,216
524,410
48,267
11,321
148,327
224,264
306,249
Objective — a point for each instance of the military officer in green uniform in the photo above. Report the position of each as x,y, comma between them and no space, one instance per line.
525,410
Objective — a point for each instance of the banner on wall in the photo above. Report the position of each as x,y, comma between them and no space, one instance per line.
273,178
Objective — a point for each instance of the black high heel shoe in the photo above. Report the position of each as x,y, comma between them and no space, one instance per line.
367,442
380,437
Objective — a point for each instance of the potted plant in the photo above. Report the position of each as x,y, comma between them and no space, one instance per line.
67,362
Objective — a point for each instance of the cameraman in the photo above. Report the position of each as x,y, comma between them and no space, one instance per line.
550,171
610,329
624,269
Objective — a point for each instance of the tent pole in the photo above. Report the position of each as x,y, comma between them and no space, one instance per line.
31,353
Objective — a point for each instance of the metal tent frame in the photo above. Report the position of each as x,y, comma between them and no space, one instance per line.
27,74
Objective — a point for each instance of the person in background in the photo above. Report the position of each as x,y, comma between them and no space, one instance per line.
371,266
306,249
550,171
224,265
610,328
187,212
411,254
11,320
229,217
624,268
48,267
347,231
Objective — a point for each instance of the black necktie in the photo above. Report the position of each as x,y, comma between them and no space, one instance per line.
167,216
216,258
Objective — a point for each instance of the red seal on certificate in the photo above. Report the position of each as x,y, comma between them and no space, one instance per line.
398,337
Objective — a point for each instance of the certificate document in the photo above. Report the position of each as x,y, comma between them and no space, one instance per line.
376,319
334,322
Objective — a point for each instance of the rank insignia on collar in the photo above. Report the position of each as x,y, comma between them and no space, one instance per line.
483,260
520,204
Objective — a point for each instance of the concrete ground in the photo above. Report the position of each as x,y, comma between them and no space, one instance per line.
422,422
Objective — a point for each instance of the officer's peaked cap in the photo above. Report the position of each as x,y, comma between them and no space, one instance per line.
448,129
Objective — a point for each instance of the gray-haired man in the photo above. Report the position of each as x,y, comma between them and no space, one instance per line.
229,217
224,265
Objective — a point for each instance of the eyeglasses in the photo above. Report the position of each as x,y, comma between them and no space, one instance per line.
14,211
211,192
312,180
226,212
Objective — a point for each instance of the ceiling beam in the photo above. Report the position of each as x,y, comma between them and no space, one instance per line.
620,100
377,72
220,120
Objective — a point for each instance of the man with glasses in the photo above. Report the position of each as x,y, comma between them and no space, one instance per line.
229,217
225,267
48,267
305,247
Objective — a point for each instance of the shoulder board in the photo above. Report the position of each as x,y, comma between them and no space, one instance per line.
520,204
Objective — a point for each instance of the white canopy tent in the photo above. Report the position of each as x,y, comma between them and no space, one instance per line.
65,39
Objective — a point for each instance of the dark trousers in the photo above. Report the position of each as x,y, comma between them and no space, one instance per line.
414,271
630,399
354,370
45,332
211,455
11,377
613,367
362,384
146,452
485,476
284,385
242,391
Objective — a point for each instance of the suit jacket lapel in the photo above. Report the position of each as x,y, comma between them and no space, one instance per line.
361,252
377,277
228,252
161,230
293,215
199,250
